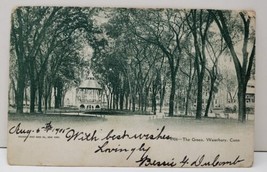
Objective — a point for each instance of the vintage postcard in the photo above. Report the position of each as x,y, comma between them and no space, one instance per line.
131,87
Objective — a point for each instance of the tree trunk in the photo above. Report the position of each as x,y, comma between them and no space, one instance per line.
242,71
162,95
32,86
146,101
57,93
172,95
45,102
107,96
121,101
154,104
60,94
126,101
133,103
40,95
199,103
210,97
190,79
187,102
32,95
111,101
47,95
50,100
117,101
130,104
114,101
242,103
26,99
20,91
62,100
188,98
139,101
199,94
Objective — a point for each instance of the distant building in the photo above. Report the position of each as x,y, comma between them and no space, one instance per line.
88,96
221,100
250,95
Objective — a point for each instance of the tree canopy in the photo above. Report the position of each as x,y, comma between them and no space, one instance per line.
168,59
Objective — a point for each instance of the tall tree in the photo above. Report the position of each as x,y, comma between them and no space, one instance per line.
37,32
245,22
199,22
165,29
215,49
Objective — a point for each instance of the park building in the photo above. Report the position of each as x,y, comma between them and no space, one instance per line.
88,96
222,99
225,97
250,95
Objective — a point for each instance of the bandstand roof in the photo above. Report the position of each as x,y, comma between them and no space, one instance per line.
90,83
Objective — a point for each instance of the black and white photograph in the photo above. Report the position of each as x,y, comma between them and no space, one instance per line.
131,87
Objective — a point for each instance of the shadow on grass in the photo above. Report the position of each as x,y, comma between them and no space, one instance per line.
53,117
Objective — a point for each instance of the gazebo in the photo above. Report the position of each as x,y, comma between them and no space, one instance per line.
88,94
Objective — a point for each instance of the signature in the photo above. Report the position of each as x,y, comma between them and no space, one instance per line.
216,162
146,161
